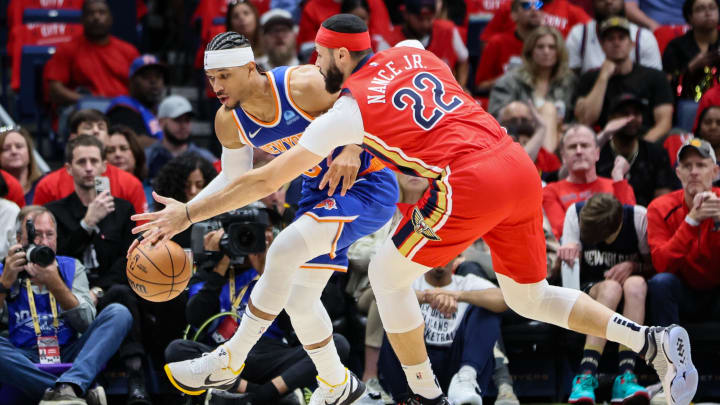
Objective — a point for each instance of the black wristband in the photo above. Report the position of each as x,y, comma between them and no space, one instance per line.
4,290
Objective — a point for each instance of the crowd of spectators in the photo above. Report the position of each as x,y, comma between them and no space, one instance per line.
616,101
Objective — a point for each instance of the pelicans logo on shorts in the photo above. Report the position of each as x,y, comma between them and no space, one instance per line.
328,204
421,227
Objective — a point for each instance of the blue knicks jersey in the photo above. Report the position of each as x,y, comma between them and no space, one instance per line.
285,130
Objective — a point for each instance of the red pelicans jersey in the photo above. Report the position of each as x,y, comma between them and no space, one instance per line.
416,116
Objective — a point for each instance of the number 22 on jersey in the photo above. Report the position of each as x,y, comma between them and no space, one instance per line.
417,96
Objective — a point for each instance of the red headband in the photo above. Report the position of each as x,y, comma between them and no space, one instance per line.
333,40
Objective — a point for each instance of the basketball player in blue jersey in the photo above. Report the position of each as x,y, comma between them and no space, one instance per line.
270,111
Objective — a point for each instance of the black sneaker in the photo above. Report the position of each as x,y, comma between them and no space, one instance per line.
418,400
62,394
220,397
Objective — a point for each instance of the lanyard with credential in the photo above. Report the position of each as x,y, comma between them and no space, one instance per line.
33,310
235,300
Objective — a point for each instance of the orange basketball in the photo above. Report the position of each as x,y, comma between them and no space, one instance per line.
158,273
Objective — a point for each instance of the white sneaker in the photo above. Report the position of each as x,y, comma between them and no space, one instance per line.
669,354
375,389
506,395
464,389
212,370
344,393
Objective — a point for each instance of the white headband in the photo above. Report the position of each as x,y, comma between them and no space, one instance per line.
225,58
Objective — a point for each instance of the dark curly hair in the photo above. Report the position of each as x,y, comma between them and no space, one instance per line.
170,180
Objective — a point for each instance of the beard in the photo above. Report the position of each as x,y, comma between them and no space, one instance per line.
333,79
173,139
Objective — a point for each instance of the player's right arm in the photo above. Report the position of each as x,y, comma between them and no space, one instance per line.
236,157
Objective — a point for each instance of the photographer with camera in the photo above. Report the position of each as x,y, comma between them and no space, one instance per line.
230,252
52,319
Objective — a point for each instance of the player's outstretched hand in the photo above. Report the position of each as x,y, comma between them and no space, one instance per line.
344,167
162,225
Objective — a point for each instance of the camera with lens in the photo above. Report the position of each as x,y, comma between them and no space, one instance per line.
244,234
39,254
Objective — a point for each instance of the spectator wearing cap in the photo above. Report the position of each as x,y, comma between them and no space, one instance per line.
440,37
580,152
503,50
174,115
278,40
685,242
94,63
584,47
689,59
138,109
618,75
650,173
559,14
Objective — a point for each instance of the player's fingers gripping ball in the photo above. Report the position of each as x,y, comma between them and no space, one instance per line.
158,272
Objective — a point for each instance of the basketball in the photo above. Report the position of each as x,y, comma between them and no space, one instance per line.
158,273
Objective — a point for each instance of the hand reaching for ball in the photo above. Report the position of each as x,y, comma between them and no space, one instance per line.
162,225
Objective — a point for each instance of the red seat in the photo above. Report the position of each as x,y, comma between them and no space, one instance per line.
16,7
667,33
43,34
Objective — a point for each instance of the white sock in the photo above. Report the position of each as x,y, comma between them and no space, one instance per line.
247,334
327,362
421,380
626,332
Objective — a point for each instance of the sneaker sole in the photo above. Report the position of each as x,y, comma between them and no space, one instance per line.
638,398
582,401
681,380
178,386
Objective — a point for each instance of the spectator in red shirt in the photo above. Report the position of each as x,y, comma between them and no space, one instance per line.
440,37
559,14
530,129
685,242
317,11
15,190
503,50
93,63
59,184
579,152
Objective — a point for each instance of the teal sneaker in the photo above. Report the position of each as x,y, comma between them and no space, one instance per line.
626,391
583,389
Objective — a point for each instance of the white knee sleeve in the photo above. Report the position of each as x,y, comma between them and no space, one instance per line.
539,301
309,318
300,242
391,276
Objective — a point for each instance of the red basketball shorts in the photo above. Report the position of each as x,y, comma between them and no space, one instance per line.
495,194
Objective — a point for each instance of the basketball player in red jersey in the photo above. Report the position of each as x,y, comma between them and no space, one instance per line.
405,107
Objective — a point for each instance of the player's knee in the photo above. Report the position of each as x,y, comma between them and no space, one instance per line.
609,293
635,288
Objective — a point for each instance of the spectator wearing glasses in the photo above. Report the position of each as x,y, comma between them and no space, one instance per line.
502,51
559,14
584,47
17,158
440,37
689,60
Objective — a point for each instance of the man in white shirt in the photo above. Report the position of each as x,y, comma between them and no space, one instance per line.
461,327
585,52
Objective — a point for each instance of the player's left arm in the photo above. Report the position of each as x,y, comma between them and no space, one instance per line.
307,88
